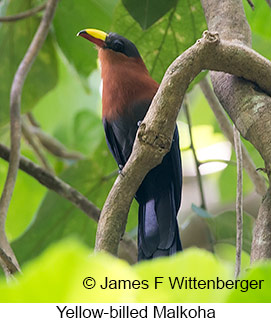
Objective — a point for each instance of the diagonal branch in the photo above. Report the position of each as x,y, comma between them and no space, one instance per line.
9,265
53,146
226,127
23,15
54,183
15,119
155,133
127,250
36,148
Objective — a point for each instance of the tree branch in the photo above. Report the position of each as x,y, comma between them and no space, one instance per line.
155,133
23,15
127,250
261,241
31,141
55,147
51,144
15,120
239,201
247,106
226,128
251,4
8,264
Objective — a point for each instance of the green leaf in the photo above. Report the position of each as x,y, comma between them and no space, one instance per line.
88,131
223,228
258,272
73,16
57,218
201,114
67,99
27,189
14,41
261,45
167,38
57,276
259,17
194,263
227,253
147,12
228,177
200,211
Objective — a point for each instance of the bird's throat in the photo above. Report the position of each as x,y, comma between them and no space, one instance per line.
125,82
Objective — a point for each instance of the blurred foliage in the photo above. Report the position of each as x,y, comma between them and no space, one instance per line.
14,41
257,19
82,13
146,13
21,211
162,42
227,253
57,275
63,93
57,218
223,229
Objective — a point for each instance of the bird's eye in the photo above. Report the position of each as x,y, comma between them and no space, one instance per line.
118,46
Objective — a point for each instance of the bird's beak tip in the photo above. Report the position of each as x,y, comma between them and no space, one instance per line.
96,36
80,32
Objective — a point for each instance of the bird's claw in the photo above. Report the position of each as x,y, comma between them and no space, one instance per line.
120,169
139,123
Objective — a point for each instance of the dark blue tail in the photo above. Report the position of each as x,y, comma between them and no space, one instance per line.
159,198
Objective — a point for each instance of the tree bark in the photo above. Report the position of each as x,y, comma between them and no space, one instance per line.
261,244
247,105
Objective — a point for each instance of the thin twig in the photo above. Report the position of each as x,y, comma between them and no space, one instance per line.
111,175
10,266
31,141
239,201
15,119
32,120
23,15
66,191
226,128
192,147
251,4
54,183
51,144
269,3
55,147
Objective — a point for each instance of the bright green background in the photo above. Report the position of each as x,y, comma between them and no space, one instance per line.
57,276
63,93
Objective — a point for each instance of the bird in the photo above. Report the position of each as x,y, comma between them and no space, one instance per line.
127,92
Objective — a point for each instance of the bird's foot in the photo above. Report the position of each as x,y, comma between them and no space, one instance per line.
120,169
139,123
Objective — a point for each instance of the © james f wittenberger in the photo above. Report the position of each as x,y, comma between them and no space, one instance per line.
174,283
